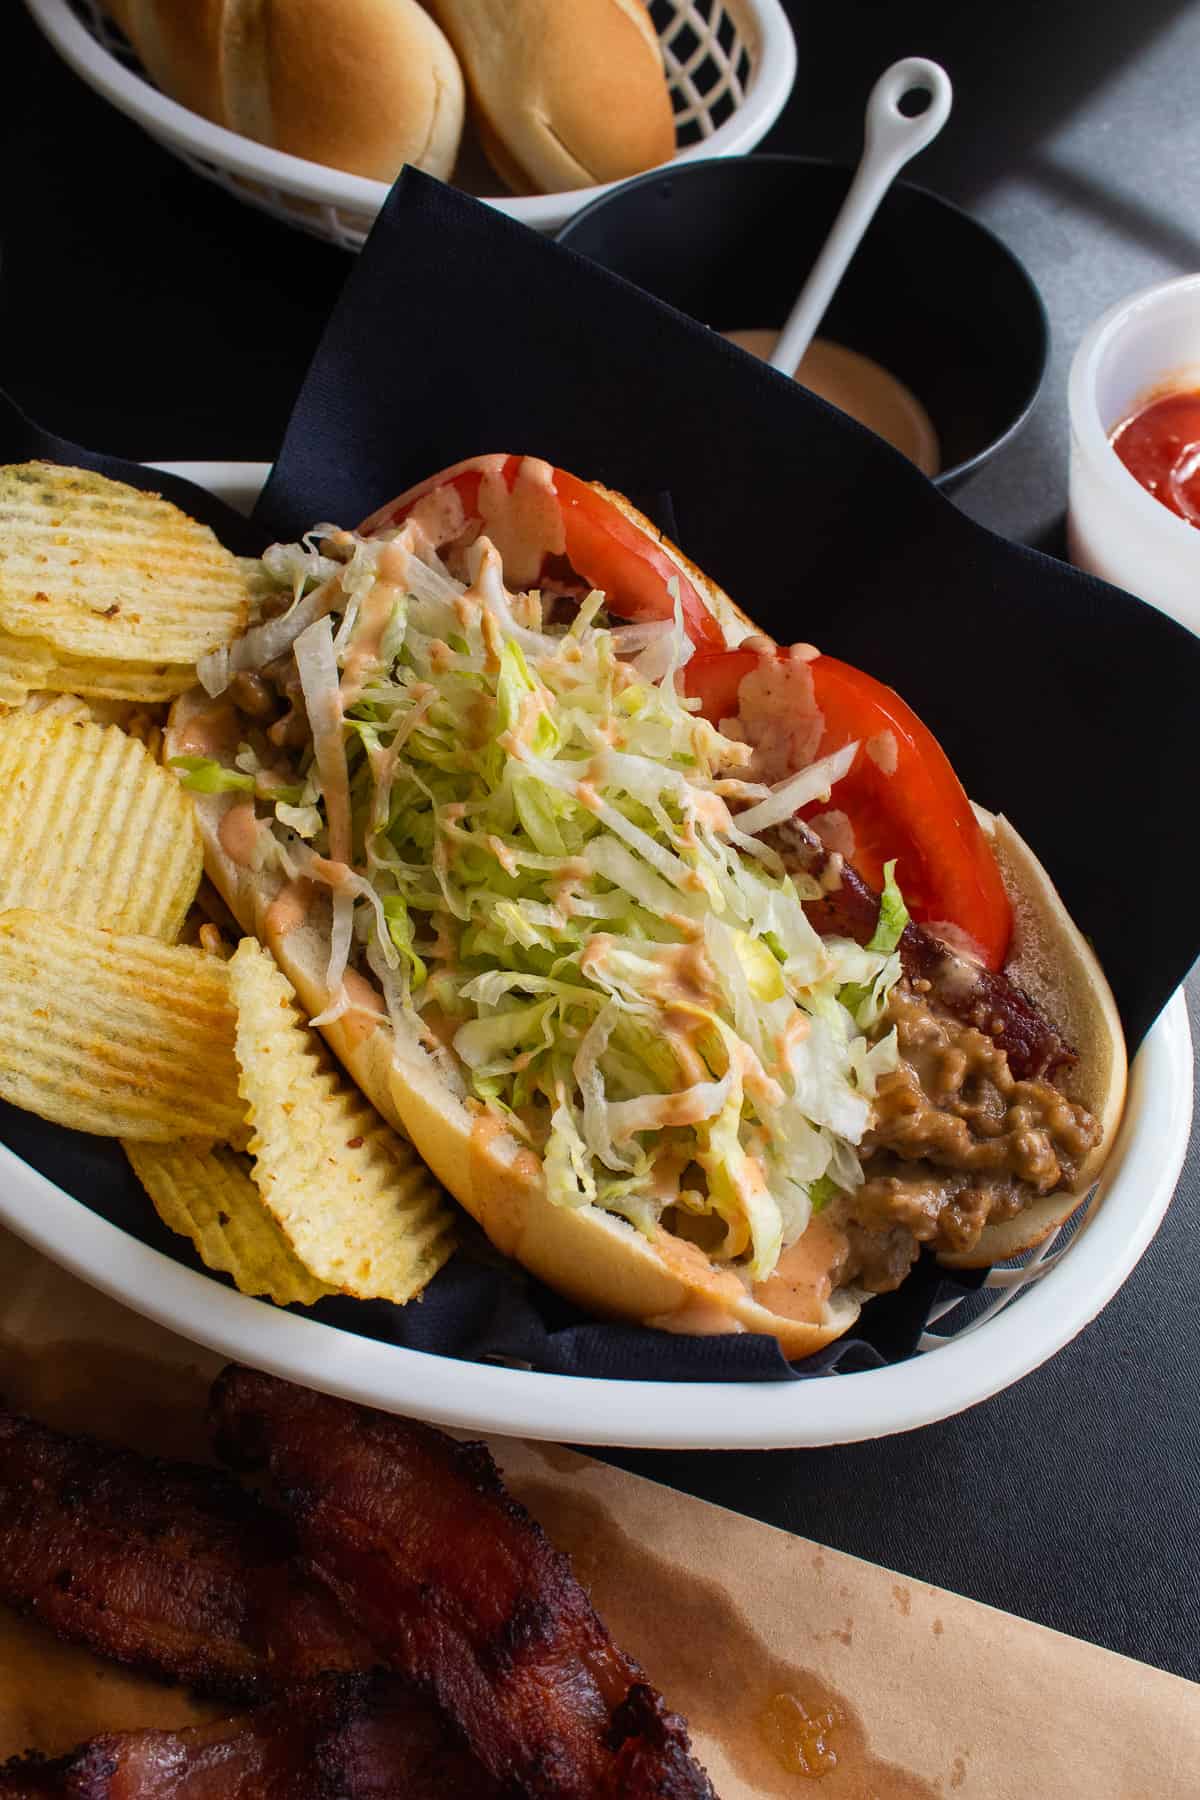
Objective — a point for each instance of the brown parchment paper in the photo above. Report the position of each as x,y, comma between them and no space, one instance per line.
772,1646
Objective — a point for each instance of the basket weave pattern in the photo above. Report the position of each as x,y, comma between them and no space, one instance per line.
711,53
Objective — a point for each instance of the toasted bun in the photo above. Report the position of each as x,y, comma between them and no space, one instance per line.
564,96
359,85
591,1256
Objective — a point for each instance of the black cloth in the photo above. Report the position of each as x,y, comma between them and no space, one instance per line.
22,439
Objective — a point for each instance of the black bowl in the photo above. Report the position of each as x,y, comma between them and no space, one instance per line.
931,293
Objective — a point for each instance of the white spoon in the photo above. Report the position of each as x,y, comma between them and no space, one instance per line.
891,138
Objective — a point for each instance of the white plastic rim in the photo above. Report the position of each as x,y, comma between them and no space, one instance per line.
1116,529
191,136
1135,1190
834,1409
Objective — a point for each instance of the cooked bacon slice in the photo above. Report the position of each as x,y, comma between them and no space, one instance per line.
459,1588
398,1746
264,1754
179,1571
353,1739
169,1568
849,907
27,1778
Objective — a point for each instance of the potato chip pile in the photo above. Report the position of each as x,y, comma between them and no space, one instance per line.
244,1132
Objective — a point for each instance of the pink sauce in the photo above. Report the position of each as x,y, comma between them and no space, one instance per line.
779,716
438,514
289,909
803,1281
884,751
835,832
365,651
525,522
366,1008
697,1318
332,871
239,832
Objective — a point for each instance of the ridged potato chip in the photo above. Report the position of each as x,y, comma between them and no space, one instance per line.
206,1193
30,664
146,723
115,1034
105,571
25,665
136,719
357,1205
60,706
93,828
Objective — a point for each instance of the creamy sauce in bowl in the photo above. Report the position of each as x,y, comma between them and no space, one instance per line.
858,386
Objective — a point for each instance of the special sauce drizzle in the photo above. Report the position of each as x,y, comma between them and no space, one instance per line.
862,388
1160,446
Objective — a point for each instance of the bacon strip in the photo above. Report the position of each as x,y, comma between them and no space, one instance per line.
356,1739
849,907
171,1569
458,1587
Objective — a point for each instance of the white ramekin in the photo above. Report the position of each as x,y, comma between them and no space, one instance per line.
1116,529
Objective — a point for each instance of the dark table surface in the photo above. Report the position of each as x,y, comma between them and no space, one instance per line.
146,313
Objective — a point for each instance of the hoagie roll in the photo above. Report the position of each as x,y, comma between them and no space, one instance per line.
682,960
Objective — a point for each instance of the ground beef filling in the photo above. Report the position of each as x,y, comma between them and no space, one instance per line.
956,1144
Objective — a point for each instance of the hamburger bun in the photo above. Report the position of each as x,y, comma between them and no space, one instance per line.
360,85
564,96
180,47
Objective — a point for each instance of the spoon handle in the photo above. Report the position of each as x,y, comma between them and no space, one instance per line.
890,139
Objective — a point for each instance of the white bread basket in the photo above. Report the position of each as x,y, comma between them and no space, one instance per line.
730,65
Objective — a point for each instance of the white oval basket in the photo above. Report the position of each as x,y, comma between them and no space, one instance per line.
980,1342
730,66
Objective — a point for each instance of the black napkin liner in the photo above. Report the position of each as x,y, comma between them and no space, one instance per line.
1062,701
23,440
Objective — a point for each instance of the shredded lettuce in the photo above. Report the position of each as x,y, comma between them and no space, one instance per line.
821,1192
401,933
866,998
893,915
527,834
204,775
306,820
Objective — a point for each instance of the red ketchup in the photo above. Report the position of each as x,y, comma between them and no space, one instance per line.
1160,446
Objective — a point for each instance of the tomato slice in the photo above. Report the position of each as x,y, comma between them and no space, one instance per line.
613,553
715,680
901,796
464,477
604,548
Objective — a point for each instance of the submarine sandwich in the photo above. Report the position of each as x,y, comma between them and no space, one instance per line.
682,959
